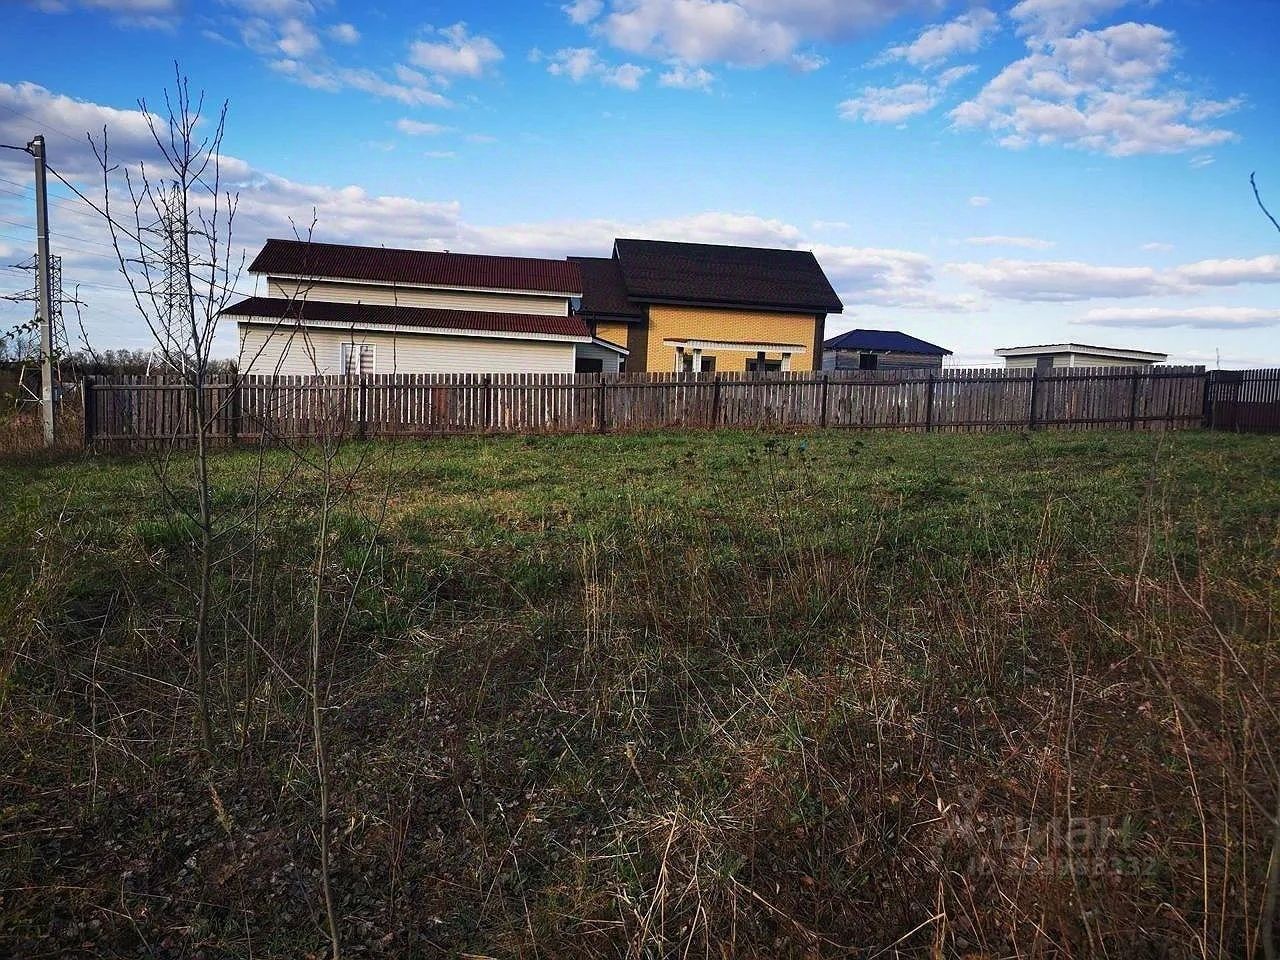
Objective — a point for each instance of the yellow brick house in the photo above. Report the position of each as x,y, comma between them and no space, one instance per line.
699,307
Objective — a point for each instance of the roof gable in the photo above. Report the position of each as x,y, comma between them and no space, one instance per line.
604,292
884,341
300,258
704,273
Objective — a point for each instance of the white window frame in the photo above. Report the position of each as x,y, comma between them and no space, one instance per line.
352,349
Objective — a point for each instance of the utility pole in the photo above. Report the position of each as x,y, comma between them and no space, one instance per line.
44,304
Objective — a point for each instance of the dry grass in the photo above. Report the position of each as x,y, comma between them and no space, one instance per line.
22,433
710,695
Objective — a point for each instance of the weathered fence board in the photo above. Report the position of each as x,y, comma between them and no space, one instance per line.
1243,400
137,411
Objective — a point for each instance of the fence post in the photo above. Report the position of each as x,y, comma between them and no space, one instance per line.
826,383
1133,402
86,409
1207,418
235,410
600,388
715,400
487,383
1031,407
362,411
928,403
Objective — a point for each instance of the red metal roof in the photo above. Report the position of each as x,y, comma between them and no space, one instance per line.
299,258
366,314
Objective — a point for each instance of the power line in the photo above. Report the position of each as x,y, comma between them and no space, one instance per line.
42,123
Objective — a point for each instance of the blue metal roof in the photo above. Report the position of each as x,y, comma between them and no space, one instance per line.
884,341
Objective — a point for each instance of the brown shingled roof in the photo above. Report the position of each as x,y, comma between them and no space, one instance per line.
659,271
604,294
298,258
366,314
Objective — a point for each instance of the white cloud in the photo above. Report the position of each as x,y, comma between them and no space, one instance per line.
1200,162
1202,318
1061,281
1157,246
901,102
1046,19
283,33
149,14
417,128
583,11
439,154
965,34
583,63
746,33
297,39
889,104
1102,91
130,135
344,33
886,277
457,53
627,76
1222,273
979,201
830,225
1029,243
684,77
334,79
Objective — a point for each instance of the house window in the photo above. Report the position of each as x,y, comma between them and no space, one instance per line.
588,365
357,359
868,361
762,365
694,361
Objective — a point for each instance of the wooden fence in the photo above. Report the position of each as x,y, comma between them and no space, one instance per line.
136,411
1243,400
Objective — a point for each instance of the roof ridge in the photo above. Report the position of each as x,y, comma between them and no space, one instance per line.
722,246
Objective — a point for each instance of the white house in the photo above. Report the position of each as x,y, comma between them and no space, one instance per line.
1049,355
332,308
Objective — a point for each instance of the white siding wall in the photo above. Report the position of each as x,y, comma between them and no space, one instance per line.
340,292
1073,360
611,358
264,350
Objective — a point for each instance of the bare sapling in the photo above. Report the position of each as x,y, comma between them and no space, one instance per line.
171,229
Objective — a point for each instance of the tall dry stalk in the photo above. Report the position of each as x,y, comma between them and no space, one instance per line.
316,696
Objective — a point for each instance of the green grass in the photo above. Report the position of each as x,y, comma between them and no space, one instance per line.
730,693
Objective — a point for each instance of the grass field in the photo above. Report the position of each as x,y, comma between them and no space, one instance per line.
701,695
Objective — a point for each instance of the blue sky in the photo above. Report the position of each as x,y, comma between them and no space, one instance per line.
980,175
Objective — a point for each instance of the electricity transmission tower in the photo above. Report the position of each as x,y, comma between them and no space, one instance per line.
174,303
60,345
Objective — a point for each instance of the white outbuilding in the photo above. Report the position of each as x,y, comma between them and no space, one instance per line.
1046,356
